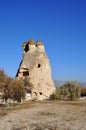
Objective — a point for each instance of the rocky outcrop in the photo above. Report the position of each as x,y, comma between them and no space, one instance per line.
35,67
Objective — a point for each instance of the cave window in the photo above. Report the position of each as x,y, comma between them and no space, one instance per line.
28,91
35,93
25,73
40,93
39,65
26,48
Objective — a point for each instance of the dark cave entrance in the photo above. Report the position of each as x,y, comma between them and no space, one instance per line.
39,65
25,73
40,93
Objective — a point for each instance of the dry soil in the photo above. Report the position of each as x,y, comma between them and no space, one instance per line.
46,115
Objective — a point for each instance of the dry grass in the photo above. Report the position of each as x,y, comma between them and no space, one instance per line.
5,109
46,115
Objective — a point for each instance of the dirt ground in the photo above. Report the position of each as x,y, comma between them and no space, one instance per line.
46,115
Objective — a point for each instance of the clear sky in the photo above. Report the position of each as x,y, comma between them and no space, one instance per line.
60,24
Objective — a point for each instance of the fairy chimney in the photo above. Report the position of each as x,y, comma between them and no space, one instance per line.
36,68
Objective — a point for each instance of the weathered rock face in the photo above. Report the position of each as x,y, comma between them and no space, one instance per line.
35,67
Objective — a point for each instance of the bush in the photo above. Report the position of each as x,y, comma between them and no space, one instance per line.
6,87
11,88
55,95
70,91
17,90
3,77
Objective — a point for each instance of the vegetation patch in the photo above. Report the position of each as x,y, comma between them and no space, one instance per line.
68,91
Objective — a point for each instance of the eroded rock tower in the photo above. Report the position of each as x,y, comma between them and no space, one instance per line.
36,68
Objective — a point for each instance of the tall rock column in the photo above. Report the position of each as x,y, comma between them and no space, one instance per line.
36,68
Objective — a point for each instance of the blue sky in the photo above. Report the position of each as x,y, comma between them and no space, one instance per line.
60,24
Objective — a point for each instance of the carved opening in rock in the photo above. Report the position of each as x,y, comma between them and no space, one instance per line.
35,93
26,48
28,91
25,73
40,93
39,65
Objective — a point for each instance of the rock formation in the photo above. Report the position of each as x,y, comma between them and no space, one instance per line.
35,67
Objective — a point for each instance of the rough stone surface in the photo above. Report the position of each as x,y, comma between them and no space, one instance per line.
36,67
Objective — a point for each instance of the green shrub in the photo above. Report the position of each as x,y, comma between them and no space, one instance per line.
70,90
55,95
